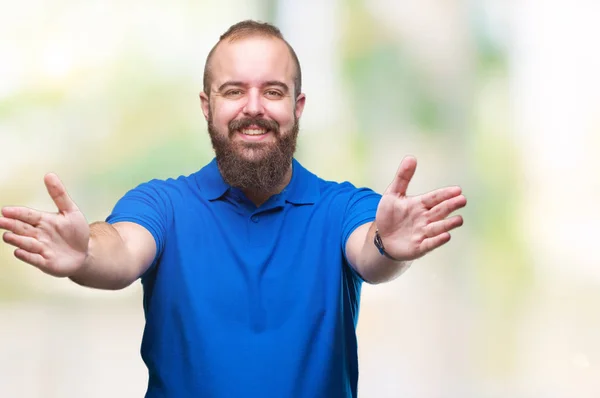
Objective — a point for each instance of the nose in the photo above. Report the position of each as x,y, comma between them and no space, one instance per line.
254,106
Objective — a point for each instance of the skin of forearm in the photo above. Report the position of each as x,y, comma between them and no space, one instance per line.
108,264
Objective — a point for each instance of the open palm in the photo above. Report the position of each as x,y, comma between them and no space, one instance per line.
411,226
56,243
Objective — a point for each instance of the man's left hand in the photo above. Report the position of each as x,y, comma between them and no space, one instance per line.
411,226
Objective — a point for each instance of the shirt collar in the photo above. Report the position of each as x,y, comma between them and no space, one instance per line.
210,182
302,189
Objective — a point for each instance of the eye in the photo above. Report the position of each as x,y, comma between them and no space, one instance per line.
273,94
233,93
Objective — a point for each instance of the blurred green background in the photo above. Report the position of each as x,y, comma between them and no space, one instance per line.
502,98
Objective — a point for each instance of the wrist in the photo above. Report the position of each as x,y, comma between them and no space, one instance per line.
378,242
86,258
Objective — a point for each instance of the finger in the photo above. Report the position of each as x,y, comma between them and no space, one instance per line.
6,223
447,207
23,242
18,227
30,258
58,193
439,227
25,214
432,243
433,198
405,173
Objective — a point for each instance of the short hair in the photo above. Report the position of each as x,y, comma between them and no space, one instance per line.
249,28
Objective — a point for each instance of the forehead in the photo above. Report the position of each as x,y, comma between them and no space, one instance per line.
252,60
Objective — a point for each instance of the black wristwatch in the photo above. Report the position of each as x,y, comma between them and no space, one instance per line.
379,245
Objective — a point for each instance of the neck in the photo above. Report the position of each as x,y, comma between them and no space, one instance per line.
260,197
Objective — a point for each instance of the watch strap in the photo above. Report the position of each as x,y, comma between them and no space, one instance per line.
379,244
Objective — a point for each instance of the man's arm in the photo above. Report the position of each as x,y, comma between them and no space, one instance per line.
62,244
117,255
365,258
408,227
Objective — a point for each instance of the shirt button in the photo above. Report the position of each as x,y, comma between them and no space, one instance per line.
254,218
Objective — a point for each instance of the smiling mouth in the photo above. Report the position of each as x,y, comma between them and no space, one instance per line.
253,132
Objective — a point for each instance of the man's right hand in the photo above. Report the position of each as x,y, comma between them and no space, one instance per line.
56,243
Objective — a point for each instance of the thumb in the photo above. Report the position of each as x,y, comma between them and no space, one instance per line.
58,193
405,173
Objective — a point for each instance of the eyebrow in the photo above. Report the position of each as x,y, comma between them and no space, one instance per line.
277,83
233,83
230,83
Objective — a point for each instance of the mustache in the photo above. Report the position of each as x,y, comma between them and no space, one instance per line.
240,124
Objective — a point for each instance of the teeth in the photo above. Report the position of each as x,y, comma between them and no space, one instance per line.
253,132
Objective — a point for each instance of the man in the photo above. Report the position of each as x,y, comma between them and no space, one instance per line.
252,266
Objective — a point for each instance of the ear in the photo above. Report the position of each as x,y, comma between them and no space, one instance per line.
205,103
299,107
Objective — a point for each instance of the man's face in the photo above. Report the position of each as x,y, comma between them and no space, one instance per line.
252,111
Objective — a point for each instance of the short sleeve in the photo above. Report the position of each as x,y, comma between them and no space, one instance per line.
361,209
149,206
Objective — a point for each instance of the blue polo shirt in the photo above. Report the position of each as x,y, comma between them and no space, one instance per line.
244,302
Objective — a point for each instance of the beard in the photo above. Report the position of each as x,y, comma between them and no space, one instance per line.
254,166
